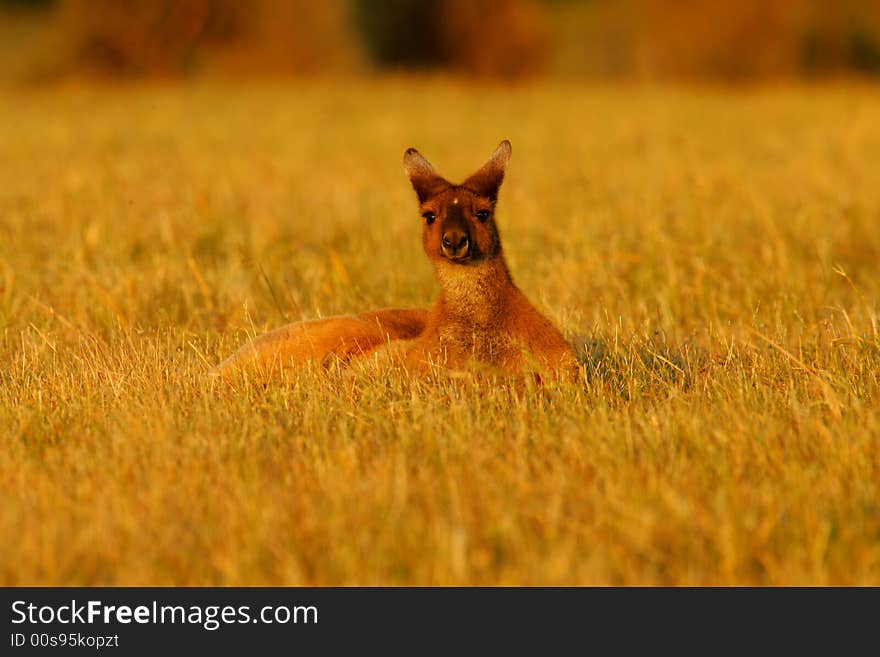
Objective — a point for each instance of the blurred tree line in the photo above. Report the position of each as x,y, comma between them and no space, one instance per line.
727,39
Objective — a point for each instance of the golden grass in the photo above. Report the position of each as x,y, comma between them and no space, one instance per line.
714,253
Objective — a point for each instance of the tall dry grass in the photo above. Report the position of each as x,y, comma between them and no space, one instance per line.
714,254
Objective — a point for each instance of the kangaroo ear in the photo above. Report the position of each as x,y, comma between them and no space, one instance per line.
425,180
487,180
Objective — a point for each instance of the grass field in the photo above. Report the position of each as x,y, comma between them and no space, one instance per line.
714,253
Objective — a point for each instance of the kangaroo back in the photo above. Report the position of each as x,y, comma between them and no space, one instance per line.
322,340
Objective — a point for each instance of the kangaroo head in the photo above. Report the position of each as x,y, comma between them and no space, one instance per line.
459,220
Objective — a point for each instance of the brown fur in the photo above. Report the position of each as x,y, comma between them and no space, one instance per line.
481,318
322,340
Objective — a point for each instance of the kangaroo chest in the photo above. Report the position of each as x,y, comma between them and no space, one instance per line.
463,341
473,317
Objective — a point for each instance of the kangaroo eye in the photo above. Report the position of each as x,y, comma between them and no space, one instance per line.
483,215
429,217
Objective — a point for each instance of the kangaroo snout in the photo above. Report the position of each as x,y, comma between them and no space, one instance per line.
455,245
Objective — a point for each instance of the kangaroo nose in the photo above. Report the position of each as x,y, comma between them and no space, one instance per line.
455,244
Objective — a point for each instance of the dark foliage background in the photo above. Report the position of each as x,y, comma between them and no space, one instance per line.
631,39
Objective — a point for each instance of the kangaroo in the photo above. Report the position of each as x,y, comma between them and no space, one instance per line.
480,320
